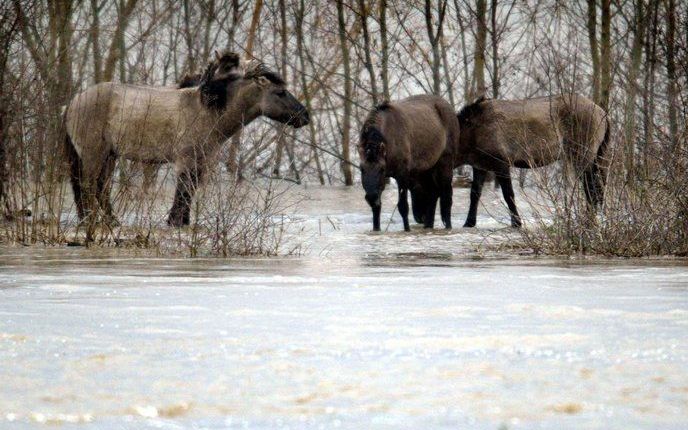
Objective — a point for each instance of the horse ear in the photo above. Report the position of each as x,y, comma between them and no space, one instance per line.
217,55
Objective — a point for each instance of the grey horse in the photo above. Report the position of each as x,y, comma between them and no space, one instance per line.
183,126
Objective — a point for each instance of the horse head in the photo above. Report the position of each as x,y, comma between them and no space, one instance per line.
372,152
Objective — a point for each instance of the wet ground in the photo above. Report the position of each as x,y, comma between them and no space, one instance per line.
420,330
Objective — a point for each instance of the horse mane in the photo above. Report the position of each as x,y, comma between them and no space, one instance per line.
372,138
471,110
213,91
189,80
256,69
220,72
213,85
372,141
382,106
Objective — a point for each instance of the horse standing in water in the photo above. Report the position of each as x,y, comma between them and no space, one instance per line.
185,126
411,140
498,134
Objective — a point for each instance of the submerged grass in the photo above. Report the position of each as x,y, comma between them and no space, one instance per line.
229,218
645,214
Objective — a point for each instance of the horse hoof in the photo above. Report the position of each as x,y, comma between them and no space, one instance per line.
469,225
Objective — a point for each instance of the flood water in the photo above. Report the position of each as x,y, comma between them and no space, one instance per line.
398,330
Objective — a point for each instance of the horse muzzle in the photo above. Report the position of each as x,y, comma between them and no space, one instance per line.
302,120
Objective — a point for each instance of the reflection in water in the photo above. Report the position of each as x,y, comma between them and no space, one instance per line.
389,331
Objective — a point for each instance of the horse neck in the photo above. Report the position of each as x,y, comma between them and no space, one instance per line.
235,116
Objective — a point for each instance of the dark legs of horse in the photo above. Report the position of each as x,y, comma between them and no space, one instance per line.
446,191
76,176
187,182
476,191
104,187
403,206
504,179
376,217
593,186
430,195
418,203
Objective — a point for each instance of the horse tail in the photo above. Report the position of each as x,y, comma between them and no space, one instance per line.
75,173
595,177
601,160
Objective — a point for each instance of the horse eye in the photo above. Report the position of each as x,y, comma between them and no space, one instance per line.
281,93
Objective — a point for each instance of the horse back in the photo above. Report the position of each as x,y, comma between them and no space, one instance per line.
137,122
419,127
524,133
583,126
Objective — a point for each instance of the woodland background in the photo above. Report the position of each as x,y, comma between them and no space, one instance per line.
342,58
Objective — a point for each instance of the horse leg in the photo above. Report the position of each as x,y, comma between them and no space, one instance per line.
404,207
476,190
76,176
446,190
376,217
430,191
150,173
418,203
187,182
104,187
593,183
504,179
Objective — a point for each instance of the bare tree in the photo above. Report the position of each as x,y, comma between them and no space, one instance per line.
434,36
363,14
480,46
348,93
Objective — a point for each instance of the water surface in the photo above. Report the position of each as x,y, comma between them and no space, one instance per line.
386,331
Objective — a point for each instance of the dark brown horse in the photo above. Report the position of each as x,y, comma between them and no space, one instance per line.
498,134
410,140
184,126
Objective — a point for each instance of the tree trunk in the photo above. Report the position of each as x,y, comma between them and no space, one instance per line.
209,11
434,38
9,26
116,51
494,38
234,163
384,73
306,93
479,54
346,121
188,38
95,40
462,31
279,150
632,86
594,53
605,55
363,13
445,65
672,96
255,20
649,85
